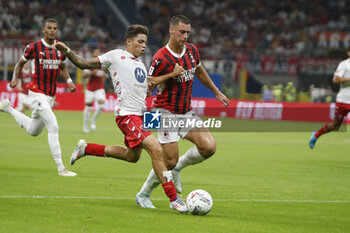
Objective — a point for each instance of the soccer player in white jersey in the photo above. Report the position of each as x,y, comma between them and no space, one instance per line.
129,79
342,105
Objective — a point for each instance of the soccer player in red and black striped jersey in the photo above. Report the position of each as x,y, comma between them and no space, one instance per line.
173,100
47,64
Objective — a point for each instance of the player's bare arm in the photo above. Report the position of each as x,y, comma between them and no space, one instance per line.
17,72
177,71
91,63
65,75
337,79
205,79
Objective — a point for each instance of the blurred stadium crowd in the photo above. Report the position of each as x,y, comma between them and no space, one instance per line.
263,26
21,21
220,28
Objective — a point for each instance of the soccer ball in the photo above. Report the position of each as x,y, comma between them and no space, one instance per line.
199,202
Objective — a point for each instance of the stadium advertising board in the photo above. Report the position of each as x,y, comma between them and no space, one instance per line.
210,107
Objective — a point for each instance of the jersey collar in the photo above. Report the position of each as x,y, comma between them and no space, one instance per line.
132,56
46,44
175,54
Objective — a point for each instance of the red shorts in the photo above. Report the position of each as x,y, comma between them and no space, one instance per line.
341,110
132,128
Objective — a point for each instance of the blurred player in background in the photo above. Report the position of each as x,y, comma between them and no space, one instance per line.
23,81
129,79
342,104
94,91
173,100
48,64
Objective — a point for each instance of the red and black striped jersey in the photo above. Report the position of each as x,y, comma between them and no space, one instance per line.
46,66
175,93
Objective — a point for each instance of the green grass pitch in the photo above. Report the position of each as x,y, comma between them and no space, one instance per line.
261,182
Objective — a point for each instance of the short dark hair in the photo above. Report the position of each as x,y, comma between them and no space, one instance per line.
133,30
178,18
51,20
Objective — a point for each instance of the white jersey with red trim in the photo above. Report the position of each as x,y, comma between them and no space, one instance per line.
129,80
343,71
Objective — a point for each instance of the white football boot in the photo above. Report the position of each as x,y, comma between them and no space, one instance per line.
178,205
144,201
4,104
65,172
79,151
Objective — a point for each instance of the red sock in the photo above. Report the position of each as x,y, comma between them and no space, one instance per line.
95,149
170,190
321,131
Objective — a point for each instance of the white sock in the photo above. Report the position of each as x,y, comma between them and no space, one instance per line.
19,117
97,112
191,157
86,115
55,148
151,183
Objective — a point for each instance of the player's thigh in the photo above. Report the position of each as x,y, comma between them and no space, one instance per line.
49,119
89,96
36,126
151,145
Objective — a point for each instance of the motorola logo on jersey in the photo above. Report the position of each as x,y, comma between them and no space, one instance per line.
140,74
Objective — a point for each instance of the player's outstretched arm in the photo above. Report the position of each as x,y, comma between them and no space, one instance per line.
91,63
204,78
177,71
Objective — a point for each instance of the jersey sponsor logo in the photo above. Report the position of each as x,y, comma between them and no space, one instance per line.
49,63
187,76
140,75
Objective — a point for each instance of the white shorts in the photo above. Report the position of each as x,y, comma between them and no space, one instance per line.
171,132
97,95
39,102
23,99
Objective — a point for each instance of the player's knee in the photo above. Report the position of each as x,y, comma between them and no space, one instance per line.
207,149
34,132
157,153
132,159
171,163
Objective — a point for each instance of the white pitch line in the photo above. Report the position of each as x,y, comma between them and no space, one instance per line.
133,198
